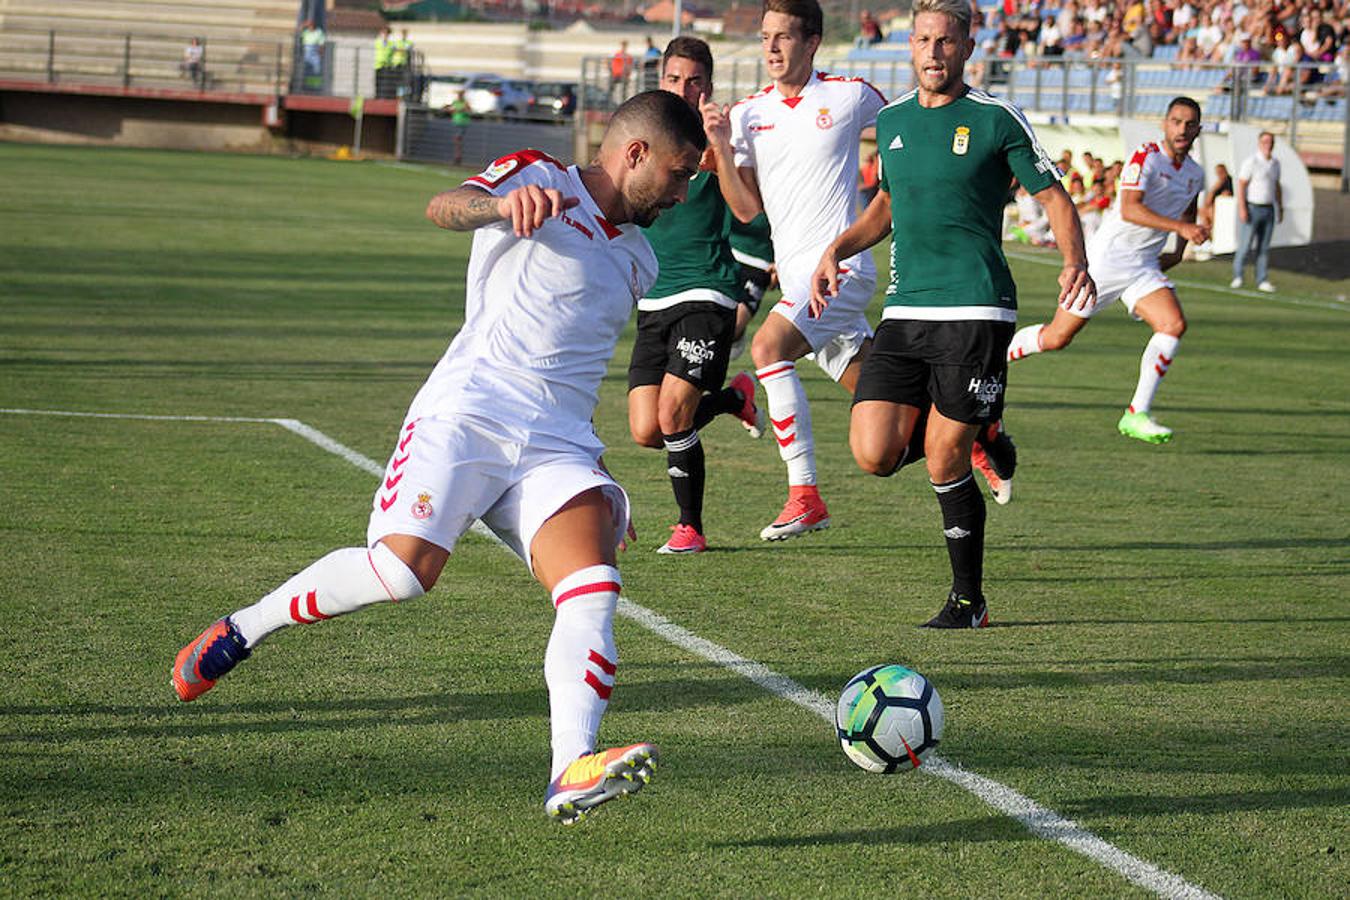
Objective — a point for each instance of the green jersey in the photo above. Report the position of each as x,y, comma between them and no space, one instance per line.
692,250
751,243
948,170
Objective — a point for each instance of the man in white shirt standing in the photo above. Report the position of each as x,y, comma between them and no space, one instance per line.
1260,204
796,146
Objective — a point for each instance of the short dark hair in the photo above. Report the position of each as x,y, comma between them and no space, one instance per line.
808,11
1186,102
661,114
694,49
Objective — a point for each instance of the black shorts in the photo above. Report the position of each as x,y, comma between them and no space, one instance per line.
959,367
689,340
754,282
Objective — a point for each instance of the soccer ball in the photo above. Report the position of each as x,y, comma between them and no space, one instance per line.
889,718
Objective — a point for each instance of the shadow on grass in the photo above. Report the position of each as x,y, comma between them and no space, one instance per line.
964,831
1171,804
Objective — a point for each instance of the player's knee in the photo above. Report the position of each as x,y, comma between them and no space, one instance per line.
646,434
406,578
1175,326
675,418
762,351
876,460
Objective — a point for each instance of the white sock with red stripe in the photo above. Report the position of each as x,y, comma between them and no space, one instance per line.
342,582
580,660
790,415
1153,365
1025,342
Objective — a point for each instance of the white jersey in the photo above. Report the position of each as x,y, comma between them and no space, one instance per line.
542,314
804,151
1169,189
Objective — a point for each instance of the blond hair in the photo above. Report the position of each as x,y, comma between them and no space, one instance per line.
959,10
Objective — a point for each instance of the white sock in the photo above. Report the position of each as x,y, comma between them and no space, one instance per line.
790,415
1153,365
580,661
1025,342
342,582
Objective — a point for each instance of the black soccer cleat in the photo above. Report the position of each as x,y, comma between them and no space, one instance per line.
961,612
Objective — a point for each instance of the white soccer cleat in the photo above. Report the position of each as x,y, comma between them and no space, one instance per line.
1235,283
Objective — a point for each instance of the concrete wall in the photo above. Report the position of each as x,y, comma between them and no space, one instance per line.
132,122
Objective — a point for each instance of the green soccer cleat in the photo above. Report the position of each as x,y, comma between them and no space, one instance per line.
1140,425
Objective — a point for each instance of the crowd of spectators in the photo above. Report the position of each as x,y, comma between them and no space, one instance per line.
1293,44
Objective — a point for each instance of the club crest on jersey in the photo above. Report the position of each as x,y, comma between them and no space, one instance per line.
823,119
961,140
422,508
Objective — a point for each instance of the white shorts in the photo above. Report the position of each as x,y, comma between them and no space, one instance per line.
444,473
838,335
1126,284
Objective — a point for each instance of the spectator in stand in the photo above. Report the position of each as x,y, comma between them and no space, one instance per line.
869,30
1075,42
1134,16
1190,54
1209,35
1184,19
1283,59
620,67
1096,200
1096,11
400,59
312,41
1052,39
193,64
1340,75
384,53
651,66
1066,168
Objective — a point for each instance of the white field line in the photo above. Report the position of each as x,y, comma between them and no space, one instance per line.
1039,820
1202,286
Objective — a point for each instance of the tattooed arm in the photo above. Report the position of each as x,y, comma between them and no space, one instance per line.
527,208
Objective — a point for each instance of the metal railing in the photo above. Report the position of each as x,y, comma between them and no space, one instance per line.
135,59
1315,115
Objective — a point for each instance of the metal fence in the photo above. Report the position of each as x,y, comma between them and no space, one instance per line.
1314,116
143,60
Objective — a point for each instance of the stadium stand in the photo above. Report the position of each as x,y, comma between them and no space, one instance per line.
141,41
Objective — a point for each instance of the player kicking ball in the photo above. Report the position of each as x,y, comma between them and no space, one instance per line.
501,430
1159,190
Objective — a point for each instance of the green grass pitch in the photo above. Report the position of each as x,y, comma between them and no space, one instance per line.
1170,671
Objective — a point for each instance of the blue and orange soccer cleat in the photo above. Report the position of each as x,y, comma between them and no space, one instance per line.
215,652
599,777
